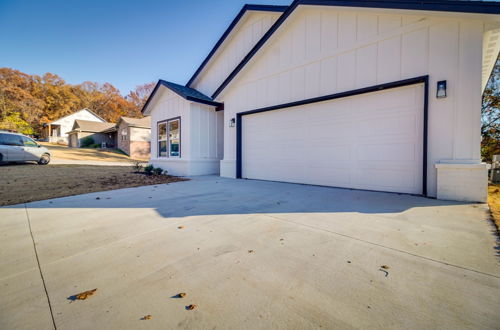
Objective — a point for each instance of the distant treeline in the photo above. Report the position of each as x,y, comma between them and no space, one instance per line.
29,101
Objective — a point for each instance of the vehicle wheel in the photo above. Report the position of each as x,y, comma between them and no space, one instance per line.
44,160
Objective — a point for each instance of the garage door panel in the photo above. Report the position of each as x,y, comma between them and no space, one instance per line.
328,154
336,177
387,152
385,180
388,124
371,141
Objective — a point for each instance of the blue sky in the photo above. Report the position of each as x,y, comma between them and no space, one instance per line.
126,43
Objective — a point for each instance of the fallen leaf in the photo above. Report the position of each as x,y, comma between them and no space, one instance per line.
180,227
146,317
83,295
181,295
191,307
251,251
384,267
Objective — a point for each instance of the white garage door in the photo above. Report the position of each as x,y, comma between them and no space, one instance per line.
371,141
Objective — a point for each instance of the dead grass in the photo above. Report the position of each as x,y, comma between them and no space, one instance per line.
494,203
64,152
23,183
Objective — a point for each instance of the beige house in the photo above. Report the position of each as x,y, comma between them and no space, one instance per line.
134,136
98,131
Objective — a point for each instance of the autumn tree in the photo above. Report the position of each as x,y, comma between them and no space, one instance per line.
29,101
19,109
141,93
490,116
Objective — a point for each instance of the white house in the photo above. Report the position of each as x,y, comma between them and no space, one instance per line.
376,95
57,131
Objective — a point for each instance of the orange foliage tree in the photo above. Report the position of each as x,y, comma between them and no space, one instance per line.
29,101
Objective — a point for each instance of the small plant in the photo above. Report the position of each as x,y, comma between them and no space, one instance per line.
87,142
149,169
137,166
157,171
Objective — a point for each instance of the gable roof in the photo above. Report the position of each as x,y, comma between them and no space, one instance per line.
91,126
185,92
236,20
84,109
136,122
463,6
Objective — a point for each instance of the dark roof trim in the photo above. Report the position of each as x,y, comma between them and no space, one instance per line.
185,92
478,7
230,29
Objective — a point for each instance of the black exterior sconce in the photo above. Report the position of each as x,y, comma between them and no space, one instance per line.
441,89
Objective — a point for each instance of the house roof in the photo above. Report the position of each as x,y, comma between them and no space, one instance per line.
84,109
185,92
137,122
463,6
236,20
91,126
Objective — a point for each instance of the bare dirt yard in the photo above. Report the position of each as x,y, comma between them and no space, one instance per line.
64,152
22,183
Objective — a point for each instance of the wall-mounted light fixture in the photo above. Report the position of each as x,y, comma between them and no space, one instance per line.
232,122
441,89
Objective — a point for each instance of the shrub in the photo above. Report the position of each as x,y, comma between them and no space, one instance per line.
137,166
86,142
157,171
94,145
149,169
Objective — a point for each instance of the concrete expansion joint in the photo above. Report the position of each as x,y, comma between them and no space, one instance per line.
383,246
40,268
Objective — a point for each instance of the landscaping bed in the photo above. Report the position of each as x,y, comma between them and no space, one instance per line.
22,183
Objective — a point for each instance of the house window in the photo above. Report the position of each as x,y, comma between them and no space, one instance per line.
169,138
174,138
162,140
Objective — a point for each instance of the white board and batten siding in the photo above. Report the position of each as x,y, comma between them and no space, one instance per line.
245,35
201,150
324,50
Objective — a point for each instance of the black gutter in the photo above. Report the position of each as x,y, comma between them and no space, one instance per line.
235,21
478,7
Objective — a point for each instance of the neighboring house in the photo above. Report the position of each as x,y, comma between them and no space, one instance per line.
134,136
98,131
57,131
375,95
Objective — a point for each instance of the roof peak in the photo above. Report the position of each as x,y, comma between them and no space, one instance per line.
239,16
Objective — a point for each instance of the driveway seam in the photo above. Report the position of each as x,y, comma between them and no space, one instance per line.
40,268
383,246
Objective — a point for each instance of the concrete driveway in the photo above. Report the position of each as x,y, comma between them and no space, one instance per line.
250,255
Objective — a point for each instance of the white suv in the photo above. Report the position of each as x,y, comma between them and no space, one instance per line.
19,148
